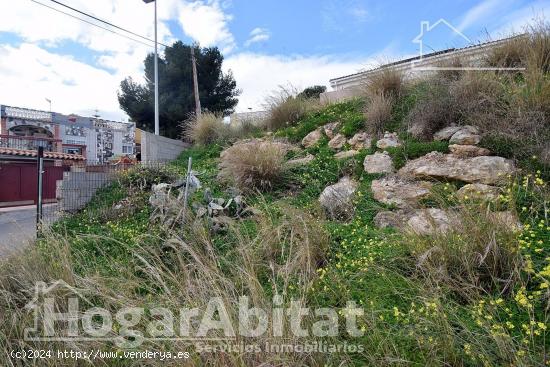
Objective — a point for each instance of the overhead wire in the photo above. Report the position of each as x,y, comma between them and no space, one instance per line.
99,26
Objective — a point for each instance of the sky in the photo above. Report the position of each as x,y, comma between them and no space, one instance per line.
266,43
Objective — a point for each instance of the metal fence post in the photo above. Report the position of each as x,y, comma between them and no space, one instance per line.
40,171
186,192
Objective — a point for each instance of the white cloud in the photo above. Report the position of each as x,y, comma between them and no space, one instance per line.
29,74
259,75
359,13
344,15
207,23
482,12
258,35
518,20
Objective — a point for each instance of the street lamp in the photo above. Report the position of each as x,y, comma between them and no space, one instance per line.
156,72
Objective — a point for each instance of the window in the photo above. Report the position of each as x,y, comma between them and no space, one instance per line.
127,149
72,150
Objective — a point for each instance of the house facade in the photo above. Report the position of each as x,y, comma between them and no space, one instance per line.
69,137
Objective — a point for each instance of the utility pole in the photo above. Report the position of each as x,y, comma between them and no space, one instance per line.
156,72
195,83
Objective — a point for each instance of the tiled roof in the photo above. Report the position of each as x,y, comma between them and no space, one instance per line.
32,153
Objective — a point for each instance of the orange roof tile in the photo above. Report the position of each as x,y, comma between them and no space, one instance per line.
33,153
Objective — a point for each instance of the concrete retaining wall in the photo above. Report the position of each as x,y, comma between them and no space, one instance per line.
339,95
160,149
77,189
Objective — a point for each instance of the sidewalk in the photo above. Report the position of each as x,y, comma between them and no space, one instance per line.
18,227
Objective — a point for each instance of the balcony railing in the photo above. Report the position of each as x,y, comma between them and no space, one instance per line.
29,143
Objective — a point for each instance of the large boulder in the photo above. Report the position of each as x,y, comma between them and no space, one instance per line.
337,142
399,192
360,140
346,154
419,221
431,221
467,135
378,163
312,138
337,199
388,218
486,170
300,161
330,129
468,151
389,140
478,191
446,133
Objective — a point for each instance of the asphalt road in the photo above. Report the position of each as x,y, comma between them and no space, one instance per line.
17,228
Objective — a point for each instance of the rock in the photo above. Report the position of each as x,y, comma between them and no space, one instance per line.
214,209
431,221
207,196
389,140
360,140
378,163
467,151
219,201
337,199
346,154
478,191
300,161
395,219
486,170
194,182
201,211
446,133
507,219
337,142
330,129
160,198
467,135
399,192
312,138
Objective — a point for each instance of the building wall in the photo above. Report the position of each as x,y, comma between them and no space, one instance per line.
349,86
156,148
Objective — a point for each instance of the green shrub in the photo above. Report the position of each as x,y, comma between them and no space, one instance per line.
414,149
348,113
312,92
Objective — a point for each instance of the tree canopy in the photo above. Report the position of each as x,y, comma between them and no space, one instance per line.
218,90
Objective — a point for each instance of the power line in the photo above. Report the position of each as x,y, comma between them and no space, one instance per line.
98,26
104,21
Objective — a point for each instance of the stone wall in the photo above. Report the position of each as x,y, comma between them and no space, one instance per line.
160,149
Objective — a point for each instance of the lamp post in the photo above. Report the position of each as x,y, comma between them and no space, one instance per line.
156,72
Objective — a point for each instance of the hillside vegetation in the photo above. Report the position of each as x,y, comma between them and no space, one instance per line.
470,289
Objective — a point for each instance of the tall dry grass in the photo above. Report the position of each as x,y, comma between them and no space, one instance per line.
378,113
206,129
285,108
386,81
184,268
254,164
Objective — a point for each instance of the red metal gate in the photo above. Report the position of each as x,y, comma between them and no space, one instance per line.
19,183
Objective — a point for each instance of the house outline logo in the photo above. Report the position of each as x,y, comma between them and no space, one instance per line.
425,27
43,289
